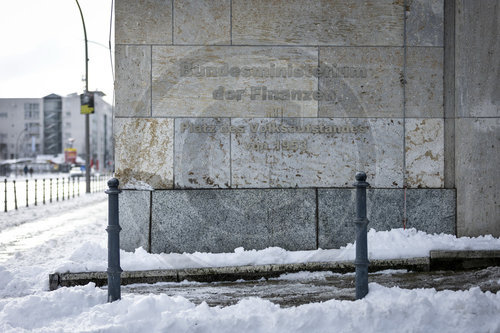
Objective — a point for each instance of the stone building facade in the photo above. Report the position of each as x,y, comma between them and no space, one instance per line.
243,123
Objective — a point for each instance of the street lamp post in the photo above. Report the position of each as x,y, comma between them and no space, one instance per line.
87,130
17,142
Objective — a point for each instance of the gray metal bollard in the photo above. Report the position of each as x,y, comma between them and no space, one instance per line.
361,221
5,190
15,194
26,193
113,229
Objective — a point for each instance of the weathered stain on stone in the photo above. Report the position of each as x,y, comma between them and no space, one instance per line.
424,153
144,152
432,156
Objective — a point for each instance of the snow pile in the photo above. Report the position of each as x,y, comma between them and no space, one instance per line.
84,309
393,244
400,243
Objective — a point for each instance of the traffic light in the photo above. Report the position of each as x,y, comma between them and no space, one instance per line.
87,103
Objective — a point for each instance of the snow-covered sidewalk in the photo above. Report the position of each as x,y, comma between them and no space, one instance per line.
394,244
43,240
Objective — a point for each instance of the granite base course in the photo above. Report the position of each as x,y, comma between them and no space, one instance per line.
295,219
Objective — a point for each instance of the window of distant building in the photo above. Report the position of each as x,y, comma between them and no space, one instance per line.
3,115
33,129
31,111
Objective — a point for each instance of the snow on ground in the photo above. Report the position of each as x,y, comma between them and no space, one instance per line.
14,218
397,243
71,236
84,309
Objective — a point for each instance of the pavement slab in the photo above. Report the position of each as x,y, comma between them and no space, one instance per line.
300,288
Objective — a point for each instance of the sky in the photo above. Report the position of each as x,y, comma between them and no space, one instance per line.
43,48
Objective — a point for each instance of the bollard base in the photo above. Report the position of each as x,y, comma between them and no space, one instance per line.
114,286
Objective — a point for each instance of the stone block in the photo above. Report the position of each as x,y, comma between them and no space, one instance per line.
134,207
222,220
365,82
143,22
424,152
477,60
144,153
431,210
205,22
428,210
424,88
337,212
217,81
297,22
311,152
425,24
133,81
477,156
202,153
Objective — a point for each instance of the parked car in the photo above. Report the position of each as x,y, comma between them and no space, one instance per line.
76,172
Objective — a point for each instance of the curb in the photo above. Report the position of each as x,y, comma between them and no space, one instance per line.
463,260
437,260
229,273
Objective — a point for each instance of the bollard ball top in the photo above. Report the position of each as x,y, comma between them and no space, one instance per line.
360,176
113,182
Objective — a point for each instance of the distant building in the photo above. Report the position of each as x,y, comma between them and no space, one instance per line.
52,124
46,126
21,127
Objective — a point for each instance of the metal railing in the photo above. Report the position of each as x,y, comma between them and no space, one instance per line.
40,191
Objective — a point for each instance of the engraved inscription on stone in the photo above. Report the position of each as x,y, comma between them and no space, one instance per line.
324,155
286,152
239,82
202,157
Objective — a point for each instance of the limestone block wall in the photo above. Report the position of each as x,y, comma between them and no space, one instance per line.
242,123
477,117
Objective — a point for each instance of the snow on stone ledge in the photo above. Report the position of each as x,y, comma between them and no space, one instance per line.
393,244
